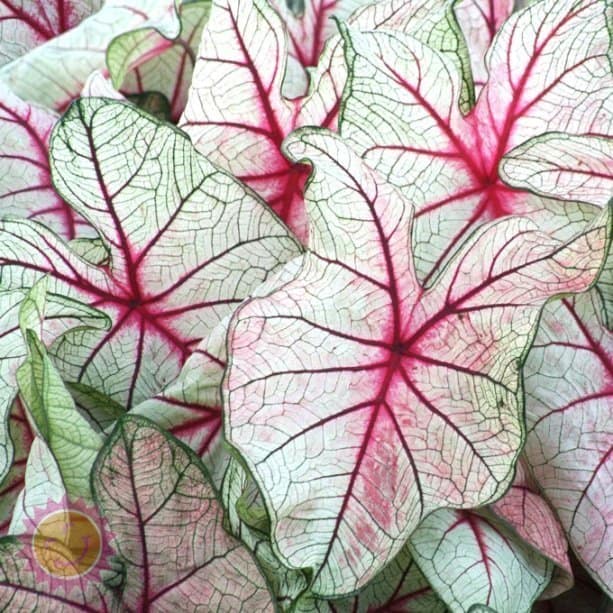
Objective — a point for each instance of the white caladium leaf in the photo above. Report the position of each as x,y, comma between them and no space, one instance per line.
401,587
52,316
73,442
24,585
447,163
167,69
493,569
569,388
187,243
190,407
236,112
247,521
480,20
43,488
167,526
26,188
21,437
389,400
524,510
53,74
563,166
308,25
25,24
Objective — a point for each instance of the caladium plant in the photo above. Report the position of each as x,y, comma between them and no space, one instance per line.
400,400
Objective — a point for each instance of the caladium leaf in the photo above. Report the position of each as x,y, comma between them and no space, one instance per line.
563,166
167,69
241,67
528,514
166,522
308,28
187,242
73,442
241,498
190,407
21,437
494,569
80,51
26,188
389,400
44,488
401,587
25,24
24,586
569,384
447,163
52,316
480,20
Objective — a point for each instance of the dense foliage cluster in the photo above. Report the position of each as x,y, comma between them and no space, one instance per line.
306,305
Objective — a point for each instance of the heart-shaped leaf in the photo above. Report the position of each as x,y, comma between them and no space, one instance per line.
569,389
25,24
447,163
167,526
362,401
187,243
470,560
26,179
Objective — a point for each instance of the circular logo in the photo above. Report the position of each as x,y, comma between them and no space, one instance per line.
67,543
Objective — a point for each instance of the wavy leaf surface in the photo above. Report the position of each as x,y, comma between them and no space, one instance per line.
362,401
187,243
25,24
473,561
447,163
50,315
569,387
157,500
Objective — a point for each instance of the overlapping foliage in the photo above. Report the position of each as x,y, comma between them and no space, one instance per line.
341,340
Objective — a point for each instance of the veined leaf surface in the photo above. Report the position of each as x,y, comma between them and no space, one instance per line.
569,390
401,113
473,561
166,521
25,24
26,188
563,166
480,20
362,401
53,73
187,242
236,111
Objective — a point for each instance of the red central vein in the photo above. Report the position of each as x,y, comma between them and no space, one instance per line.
27,18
